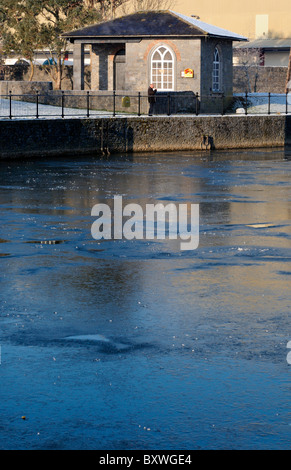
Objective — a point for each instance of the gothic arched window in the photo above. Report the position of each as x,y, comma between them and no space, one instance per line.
216,71
162,69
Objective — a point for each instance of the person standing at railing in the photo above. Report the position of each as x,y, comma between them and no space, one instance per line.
152,98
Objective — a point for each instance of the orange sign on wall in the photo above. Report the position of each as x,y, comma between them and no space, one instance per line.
187,73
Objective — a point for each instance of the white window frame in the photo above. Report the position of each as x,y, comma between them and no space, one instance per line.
216,71
159,65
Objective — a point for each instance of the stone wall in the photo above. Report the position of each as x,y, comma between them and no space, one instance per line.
207,51
21,72
24,87
76,137
262,79
137,68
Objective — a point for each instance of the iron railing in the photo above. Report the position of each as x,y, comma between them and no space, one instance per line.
91,104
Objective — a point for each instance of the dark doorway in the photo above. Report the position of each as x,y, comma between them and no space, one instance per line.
119,70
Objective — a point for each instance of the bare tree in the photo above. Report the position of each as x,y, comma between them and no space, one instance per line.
249,59
152,4
2,71
107,8
145,5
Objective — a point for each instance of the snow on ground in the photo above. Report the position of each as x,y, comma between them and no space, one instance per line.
258,102
22,109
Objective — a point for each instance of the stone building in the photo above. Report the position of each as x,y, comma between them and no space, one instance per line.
175,52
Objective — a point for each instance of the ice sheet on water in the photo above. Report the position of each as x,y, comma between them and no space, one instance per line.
106,345
95,337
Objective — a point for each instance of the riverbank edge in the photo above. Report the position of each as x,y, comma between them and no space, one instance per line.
24,139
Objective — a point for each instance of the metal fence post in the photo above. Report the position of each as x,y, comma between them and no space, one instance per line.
222,98
10,104
37,114
169,104
197,104
138,110
114,96
246,106
63,104
88,104
269,103
286,102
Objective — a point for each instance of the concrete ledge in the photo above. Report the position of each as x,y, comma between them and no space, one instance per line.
60,137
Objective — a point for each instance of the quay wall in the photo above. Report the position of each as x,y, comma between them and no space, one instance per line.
25,139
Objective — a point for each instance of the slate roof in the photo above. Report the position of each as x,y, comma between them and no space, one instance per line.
146,24
268,44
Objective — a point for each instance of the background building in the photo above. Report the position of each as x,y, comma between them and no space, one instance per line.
251,18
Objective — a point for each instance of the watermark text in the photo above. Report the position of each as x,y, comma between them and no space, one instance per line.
156,221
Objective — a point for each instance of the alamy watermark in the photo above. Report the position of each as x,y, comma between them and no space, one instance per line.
156,221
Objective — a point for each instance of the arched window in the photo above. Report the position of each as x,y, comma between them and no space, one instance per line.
162,69
216,71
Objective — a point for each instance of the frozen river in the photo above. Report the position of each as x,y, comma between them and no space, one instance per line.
136,344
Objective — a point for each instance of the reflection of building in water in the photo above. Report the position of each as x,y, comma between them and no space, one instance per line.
230,267
262,203
157,178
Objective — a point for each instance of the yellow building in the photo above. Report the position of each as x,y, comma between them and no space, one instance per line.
251,18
